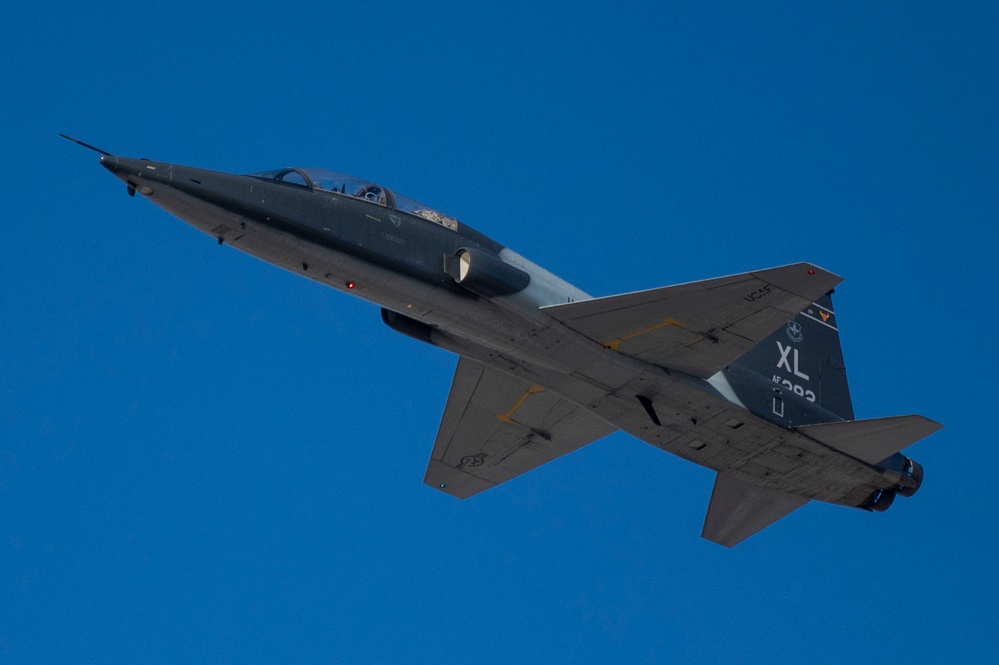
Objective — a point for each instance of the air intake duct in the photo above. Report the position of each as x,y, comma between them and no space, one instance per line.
408,327
485,273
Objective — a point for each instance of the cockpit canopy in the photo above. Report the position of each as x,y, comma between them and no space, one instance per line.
331,181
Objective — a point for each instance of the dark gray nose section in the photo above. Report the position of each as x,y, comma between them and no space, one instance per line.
137,168
110,162
138,174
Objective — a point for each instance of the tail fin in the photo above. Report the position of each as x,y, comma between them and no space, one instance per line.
809,358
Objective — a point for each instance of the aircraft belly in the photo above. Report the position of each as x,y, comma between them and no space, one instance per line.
728,438
197,214
702,428
696,423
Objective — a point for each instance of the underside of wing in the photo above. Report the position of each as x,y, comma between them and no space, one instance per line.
698,328
496,427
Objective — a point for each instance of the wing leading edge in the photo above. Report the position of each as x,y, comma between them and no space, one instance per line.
496,427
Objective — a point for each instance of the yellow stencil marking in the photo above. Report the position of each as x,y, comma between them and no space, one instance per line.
373,217
508,416
613,345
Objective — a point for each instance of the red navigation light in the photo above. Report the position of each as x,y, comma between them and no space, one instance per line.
811,272
350,285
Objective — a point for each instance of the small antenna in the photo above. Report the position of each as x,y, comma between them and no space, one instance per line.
86,145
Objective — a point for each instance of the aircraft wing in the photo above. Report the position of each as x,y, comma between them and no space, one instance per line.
496,427
698,328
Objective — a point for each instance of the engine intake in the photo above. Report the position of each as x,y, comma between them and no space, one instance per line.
407,326
484,273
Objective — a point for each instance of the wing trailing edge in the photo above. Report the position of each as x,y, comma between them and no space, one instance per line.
739,509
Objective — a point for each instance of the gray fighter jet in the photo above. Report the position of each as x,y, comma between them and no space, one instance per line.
741,374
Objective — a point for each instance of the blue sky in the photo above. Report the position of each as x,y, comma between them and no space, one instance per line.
206,459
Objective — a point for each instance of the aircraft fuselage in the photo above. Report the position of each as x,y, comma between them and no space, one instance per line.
441,282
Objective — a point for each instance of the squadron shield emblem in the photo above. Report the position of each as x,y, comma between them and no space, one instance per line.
794,331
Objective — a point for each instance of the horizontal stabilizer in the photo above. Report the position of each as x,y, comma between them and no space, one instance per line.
873,440
698,328
739,509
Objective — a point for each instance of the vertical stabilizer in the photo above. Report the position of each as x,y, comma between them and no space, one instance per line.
805,356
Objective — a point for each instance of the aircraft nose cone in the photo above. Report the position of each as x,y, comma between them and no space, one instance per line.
126,168
110,162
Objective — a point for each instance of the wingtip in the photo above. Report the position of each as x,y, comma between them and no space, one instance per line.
455,482
803,279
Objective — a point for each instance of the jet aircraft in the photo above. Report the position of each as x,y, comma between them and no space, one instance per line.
742,374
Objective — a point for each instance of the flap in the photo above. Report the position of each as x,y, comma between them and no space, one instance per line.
739,509
698,328
496,427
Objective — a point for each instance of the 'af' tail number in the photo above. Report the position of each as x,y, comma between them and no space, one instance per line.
797,389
